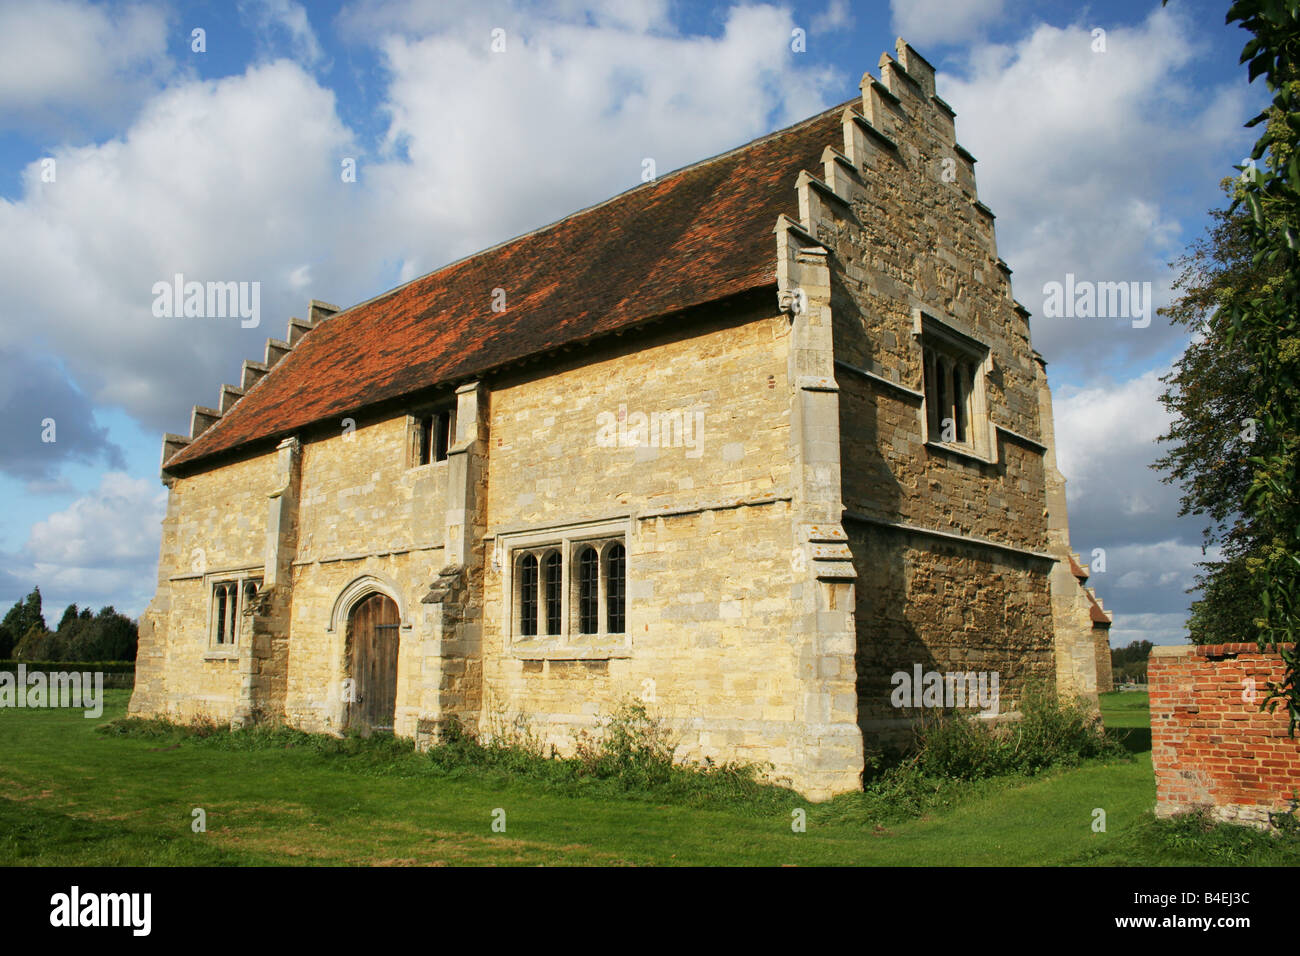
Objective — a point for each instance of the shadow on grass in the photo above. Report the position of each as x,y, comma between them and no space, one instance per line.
1136,740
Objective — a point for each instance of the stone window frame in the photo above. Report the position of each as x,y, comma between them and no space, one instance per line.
569,643
602,548
939,336
235,583
421,444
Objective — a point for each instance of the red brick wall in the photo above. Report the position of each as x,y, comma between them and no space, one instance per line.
1210,745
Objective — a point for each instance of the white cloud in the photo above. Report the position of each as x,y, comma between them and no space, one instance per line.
1106,439
238,179
274,19
1106,435
118,521
1083,155
939,22
228,180
566,99
835,17
65,57
101,548
373,20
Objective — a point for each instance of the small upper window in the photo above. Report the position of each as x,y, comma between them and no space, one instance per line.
434,435
949,387
952,365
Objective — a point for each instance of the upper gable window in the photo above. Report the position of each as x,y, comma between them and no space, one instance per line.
954,366
949,383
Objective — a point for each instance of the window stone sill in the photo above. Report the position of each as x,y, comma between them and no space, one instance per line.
597,650
959,451
231,655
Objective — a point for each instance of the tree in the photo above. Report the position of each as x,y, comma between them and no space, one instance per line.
1253,339
69,617
1210,435
108,637
1266,330
1128,663
22,617
39,644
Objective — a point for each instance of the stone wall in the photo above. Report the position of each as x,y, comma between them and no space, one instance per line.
369,514
215,526
1211,746
950,542
712,644
949,607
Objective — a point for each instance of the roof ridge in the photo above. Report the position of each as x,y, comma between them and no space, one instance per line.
602,203
703,234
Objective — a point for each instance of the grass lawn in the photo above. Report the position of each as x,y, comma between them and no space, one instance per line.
71,796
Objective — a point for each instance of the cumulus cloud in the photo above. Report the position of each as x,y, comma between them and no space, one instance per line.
600,99
940,22
233,180
238,179
45,422
1076,149
1106,439
65,62
102,548
836,16
277,21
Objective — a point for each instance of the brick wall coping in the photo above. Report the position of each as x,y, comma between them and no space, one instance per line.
1215,650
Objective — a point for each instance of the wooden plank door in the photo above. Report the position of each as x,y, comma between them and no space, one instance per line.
373,631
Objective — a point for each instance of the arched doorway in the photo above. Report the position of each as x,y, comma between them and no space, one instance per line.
372,640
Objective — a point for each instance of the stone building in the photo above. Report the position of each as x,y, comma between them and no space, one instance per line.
744,443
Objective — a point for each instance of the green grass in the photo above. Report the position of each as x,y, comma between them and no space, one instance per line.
71,796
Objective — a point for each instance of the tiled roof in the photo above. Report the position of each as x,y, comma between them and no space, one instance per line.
694,236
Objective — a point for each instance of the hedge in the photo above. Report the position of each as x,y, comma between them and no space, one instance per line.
108,667
117,674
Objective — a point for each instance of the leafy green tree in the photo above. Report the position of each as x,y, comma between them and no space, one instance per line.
39,644
22,617
1265,328
69,617
109,636
1211,436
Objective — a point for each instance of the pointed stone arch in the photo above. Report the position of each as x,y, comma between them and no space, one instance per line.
357,590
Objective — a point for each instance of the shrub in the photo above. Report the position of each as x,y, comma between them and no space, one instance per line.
1051,732
630,746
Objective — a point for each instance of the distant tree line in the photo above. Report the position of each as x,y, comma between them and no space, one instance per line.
82,635
1129,664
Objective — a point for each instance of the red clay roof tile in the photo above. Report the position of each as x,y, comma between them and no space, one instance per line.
697,235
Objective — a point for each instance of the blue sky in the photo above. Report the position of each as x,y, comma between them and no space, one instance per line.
1099,158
